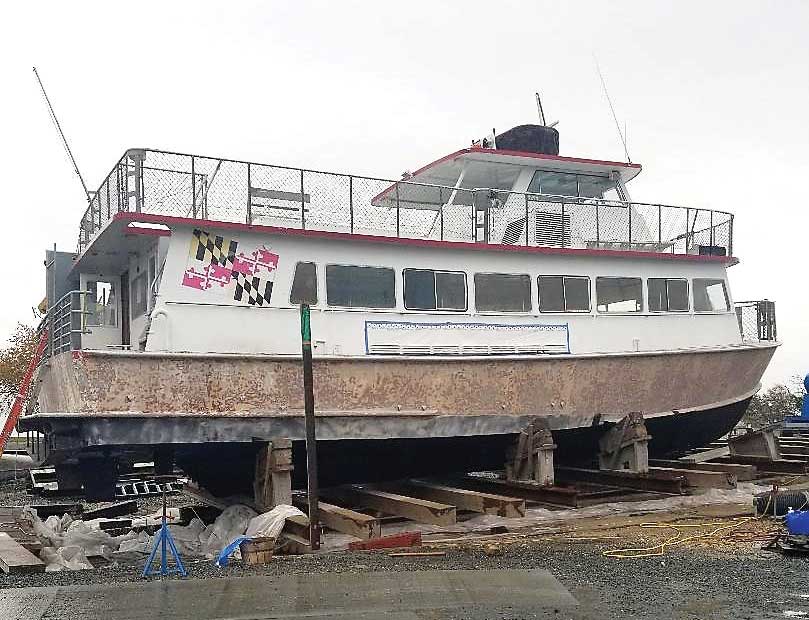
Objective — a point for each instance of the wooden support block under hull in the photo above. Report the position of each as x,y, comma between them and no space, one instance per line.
421,510
465,499
16,560
743,473
344,520
697,477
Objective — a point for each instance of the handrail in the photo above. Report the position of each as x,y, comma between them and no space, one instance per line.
156,188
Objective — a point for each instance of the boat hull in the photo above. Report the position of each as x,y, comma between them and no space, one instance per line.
382,417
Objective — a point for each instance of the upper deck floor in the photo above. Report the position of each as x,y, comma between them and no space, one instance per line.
476,195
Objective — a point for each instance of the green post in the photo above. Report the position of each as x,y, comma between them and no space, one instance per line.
311,439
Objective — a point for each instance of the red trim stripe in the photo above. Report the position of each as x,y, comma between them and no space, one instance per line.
168,220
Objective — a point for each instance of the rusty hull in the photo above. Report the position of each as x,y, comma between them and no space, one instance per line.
569,390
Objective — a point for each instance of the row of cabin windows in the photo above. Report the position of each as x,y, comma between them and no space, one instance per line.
353,286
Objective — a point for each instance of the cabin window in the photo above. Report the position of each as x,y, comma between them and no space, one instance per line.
501,292
564,293
360,287
567,184
619,294
425,289
139,293
667,295
304,284
101,306
710,295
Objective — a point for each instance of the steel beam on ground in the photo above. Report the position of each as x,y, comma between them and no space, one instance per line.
743,472
763,464
697,477
421,510
466,499
532,492
629,480
345,520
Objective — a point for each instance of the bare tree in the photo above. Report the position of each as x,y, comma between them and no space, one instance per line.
775,403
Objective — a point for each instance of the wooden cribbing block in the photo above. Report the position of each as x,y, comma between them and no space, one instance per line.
464,499
421,510
343,520
15,559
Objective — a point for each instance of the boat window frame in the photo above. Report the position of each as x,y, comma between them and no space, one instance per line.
728,304
619,312
292,283
530,309
564,294
435,290
576,174
667,309
384,308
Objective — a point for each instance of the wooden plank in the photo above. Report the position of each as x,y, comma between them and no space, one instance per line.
421,510
698,477
16,560
707,455
344,520
742,472
465,499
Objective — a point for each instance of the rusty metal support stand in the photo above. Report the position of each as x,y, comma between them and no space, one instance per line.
311,439
625,446
532,458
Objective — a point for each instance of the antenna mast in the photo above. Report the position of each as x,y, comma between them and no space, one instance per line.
540,111
612,109
62,135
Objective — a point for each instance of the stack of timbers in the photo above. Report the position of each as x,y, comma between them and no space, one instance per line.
530,478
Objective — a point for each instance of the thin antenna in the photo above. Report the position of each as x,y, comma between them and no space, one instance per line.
540,111
612,108
62,135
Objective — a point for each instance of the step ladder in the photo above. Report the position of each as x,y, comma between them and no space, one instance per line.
22,395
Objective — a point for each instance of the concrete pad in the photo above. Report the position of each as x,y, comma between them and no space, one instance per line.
389,595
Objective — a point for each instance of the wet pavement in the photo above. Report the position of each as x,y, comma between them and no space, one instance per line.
413,595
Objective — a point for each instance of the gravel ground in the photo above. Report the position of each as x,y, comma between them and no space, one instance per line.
729,580
682,584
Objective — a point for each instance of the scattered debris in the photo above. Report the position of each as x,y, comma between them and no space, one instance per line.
407,539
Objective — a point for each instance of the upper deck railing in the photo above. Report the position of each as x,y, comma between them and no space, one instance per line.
209,188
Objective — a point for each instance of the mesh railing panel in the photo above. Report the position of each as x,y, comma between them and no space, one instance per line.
207,188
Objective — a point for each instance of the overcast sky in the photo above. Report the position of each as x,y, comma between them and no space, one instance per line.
715,96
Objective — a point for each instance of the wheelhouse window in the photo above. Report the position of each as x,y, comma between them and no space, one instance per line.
567,184
619,294
425,289
360,287
304,284
710,295
101,304
501,292
564,293
667,295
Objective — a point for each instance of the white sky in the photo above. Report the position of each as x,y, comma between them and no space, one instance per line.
715,96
